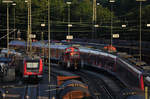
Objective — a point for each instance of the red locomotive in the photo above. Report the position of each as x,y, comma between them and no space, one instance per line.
71,58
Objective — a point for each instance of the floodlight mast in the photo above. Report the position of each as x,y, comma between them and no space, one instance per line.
140,40
7,2
69,24
14,4
111,42
49,54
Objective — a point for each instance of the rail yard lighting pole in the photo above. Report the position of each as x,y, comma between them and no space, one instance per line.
124,26
26,1
95,22
7,2
94,19
49,54
29,40
69,25
111,1
148,25
98,4
42,38
140,41
30,28
95,28
14,4
42,25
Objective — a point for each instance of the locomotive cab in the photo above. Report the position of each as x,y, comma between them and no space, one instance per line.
71,58
72,53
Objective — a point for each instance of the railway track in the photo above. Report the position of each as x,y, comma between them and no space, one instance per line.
53,82
100,86
31,92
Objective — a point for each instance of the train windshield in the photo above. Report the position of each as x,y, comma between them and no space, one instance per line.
32,64
68,50
76,50
72,49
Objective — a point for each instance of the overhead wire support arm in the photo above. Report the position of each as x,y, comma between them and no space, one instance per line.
7,34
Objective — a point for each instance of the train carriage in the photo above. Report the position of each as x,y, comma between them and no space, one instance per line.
131,76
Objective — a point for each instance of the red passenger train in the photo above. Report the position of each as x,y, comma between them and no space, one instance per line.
125,70
31,68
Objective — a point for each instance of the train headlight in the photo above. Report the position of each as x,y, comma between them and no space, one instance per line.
3,95
71,54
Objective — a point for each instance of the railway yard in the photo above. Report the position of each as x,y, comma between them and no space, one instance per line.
103,76
100,86
74,49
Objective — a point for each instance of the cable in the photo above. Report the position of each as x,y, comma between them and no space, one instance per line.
7,34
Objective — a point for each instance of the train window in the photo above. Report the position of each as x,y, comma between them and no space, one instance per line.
32,65
68,50
75,50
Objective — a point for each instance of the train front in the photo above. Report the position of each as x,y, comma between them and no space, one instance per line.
33,68
72,58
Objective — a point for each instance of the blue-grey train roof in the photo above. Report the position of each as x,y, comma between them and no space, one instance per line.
16,42
5,59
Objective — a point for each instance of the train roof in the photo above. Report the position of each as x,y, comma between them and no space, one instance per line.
23,43
39,44
32,59
72,47
5,59
17,42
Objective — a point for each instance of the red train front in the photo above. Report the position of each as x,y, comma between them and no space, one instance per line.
33,68
71,58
